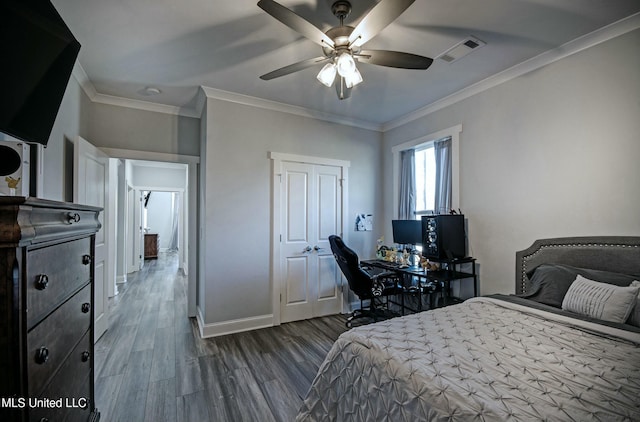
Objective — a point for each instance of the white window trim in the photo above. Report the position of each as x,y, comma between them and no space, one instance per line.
454,133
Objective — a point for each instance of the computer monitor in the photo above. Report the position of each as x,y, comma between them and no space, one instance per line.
407,232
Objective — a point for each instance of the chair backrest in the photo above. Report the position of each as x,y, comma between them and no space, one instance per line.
359,281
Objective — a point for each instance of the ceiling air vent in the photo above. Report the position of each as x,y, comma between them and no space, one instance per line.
461,49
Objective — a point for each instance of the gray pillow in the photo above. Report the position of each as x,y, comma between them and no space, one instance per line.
550,282
600,300
634,318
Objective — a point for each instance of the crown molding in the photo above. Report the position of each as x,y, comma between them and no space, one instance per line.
81,76
83,80
594,38
145,105
219,94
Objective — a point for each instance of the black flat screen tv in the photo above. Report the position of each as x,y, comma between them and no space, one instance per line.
38,52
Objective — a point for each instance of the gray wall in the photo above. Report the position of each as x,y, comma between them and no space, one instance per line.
128,128
552,153
70,122
238,197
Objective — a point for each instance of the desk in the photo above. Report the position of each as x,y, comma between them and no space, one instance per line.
417,280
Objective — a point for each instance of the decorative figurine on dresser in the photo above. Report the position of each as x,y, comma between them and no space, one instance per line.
46,310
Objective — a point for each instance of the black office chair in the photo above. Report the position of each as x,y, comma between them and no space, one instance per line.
367,286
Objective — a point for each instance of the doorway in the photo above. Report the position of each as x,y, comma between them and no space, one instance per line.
140,171
162,223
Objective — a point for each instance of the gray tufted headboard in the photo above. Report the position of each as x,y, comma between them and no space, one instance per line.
620,254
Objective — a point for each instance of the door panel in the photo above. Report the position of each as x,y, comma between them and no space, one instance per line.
327,276
297,206
295,302
328,196
297,288
91,187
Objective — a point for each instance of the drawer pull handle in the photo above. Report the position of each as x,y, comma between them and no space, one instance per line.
42,281
42,355
86,307
44,420
86,259
85,356
73,217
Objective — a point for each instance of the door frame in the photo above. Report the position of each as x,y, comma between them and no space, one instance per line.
277,159
191,199
182,218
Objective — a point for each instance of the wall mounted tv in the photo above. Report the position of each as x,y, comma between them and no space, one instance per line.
38,53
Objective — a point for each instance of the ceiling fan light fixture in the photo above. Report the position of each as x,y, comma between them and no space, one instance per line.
346,65
353,79
327,75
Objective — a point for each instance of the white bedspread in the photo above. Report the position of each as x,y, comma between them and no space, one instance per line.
483,360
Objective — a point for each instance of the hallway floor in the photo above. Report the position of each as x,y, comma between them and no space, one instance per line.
152,365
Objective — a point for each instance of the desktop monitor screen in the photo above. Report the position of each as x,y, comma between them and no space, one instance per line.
407,232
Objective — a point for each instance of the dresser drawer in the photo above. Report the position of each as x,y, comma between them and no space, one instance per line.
72,385
53,273
50,342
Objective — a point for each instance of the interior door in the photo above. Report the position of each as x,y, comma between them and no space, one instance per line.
91,187
311,211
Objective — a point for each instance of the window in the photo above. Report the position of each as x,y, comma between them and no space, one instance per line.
429,189
425,178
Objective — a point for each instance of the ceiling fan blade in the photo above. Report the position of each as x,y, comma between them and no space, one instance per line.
394,59
377,19
294,68
341,88
296,22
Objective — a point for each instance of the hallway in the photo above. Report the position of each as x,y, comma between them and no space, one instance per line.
151,365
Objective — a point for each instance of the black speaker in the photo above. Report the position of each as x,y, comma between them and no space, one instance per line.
443,236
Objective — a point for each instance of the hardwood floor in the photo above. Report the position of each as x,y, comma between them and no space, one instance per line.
151,365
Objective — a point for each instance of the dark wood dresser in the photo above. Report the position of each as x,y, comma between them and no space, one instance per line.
46,310
151,246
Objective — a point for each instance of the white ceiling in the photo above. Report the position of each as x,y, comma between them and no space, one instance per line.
178,46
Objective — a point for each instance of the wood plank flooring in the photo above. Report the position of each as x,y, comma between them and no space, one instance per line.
151,365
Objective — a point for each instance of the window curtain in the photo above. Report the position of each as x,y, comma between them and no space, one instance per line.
407,204
442,150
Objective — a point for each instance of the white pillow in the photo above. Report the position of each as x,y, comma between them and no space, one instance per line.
600,300
634,318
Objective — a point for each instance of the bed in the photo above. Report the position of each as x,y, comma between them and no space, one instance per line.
501,357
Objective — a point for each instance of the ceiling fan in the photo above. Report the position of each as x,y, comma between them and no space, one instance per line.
342,45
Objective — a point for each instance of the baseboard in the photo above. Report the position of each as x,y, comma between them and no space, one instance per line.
232,326
121,279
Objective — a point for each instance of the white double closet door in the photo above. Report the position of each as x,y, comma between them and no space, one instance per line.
310,211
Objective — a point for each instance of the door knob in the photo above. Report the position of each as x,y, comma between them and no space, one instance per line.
307,249
317,248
